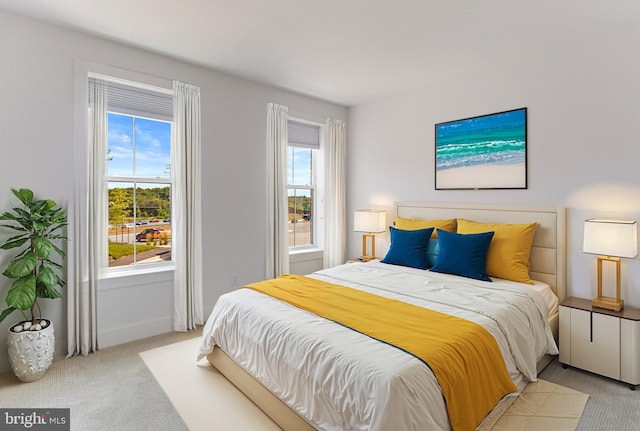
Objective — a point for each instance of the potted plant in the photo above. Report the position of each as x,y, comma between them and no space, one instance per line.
35,275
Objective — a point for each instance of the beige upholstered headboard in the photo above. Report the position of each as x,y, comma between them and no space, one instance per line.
548,250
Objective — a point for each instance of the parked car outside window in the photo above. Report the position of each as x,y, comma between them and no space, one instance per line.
142,236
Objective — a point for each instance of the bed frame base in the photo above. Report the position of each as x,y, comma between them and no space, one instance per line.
279,412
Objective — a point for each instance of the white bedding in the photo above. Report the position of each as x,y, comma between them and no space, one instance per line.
340,379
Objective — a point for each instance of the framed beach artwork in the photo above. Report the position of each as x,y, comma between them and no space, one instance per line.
485,152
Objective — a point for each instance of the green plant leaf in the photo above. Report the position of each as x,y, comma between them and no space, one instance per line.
14,227
22,293
6,313
8,216
52,263
58,250
47,277
39,206
42,247
22,235
22,215
48,292
14,242
25,195
22,266
57,227
22,221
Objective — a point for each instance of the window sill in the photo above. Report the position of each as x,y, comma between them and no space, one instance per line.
121,277
296,256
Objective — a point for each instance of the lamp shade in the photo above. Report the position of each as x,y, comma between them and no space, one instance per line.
617,238
371,221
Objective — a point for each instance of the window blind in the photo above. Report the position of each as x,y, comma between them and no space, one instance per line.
303,135
131,98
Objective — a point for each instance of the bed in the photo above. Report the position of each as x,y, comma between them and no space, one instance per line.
308,373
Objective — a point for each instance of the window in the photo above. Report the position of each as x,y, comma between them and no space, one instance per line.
138,174
302,152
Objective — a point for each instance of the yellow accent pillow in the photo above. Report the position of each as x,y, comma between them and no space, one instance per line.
415,224
510,248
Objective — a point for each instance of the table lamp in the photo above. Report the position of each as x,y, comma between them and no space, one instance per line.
611,240
370,222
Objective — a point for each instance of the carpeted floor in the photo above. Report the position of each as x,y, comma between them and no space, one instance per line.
114,390
612,406
109,390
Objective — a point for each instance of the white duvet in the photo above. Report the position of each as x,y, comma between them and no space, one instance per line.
339,379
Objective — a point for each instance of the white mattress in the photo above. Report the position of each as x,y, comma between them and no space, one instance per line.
340,379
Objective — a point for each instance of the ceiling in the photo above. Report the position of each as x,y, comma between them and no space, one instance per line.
345,51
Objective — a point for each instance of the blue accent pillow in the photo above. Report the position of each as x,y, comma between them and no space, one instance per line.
408,247
463,254
433,249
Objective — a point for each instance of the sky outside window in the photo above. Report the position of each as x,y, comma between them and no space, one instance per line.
299,166
152,146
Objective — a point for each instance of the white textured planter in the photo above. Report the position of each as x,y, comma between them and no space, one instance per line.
31,352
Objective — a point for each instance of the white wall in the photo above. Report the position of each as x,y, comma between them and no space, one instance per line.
583,139
36,137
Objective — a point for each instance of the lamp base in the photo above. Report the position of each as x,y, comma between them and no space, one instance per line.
366,256
608,303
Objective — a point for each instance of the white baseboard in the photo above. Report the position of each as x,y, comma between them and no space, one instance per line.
133,332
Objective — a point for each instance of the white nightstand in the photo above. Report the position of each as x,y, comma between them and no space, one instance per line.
602,341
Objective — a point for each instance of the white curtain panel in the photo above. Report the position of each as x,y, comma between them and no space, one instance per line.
88,252
186,216
277,241
335,194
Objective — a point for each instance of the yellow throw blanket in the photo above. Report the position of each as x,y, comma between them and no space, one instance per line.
464,357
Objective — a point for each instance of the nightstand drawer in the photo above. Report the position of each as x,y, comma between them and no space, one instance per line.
595,343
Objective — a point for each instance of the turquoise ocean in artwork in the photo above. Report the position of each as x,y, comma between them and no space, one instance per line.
492,139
